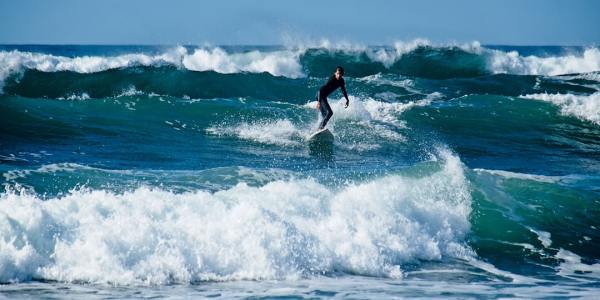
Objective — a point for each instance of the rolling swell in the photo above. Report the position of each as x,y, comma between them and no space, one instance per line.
432,63
177,82
522,221
539,131
424,61
163,80
206,72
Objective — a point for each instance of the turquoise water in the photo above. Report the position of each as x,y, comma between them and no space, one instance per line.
461,171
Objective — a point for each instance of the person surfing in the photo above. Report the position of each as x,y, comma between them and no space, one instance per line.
335,81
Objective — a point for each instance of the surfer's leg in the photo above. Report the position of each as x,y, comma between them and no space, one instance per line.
326,112
321,107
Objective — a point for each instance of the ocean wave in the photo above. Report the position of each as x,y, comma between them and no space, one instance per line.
401,55
276,132
371,109
513,63
66,177
571,266
277,63
580,181
380,119
16,61
382,80
415,58
283,229
378,79
50,168
592,76
368,123
386,55
585,107
521,176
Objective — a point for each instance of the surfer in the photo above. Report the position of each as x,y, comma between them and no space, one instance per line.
334,82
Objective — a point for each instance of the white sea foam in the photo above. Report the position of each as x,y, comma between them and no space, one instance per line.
543,236
522,176
389,57
283,229
279,63
572,267
302,44
361,111
50,168
379,79
82,96
381,120
130,91
372,109
592,76
513,63
585,107
277,132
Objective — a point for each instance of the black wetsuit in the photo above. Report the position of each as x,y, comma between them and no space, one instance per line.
331,85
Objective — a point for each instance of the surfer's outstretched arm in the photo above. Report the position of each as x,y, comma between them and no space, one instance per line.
345,94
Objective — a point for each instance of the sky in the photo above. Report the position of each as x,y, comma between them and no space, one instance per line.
269,22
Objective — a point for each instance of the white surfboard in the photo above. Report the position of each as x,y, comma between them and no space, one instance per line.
323,135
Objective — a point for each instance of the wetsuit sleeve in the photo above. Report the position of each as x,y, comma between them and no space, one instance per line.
344,89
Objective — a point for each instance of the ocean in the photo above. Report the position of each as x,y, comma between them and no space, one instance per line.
457,171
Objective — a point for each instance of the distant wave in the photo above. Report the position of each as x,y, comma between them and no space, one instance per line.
513,63
585,107
277,63
416,58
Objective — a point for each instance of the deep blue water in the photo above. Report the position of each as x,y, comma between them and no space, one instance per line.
462,171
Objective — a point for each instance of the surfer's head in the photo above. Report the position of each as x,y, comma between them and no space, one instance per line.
339,72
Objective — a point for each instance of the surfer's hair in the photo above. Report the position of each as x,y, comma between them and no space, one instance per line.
339,68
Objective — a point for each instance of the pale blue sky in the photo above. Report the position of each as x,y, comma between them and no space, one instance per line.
224,22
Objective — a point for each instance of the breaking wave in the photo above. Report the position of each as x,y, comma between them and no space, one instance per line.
415,58
283,229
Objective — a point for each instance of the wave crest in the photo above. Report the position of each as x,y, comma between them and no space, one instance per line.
585,107
284,229
513,63
278,63
418,58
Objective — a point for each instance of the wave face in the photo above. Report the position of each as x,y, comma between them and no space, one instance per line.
141,166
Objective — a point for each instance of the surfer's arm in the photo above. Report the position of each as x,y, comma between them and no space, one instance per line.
345,94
